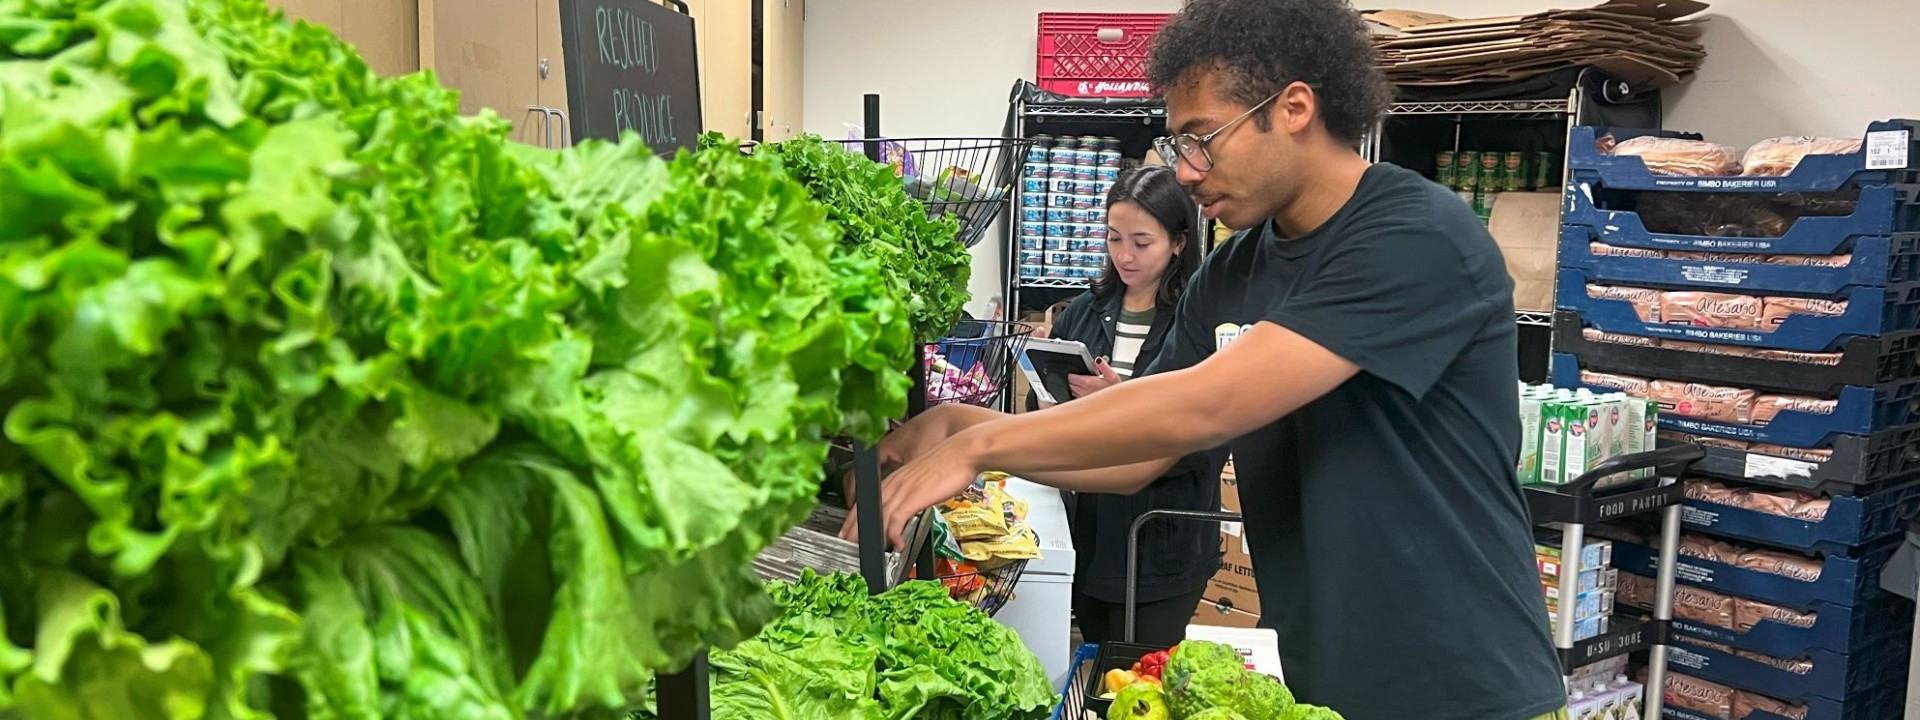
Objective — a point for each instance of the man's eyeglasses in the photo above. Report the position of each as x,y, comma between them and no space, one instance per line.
1193,149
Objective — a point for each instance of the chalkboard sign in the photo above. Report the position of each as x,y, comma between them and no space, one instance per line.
631,67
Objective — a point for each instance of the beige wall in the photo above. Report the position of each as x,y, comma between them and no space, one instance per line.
1773,67
386,32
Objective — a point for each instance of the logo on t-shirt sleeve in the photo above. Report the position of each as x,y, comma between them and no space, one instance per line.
1227,333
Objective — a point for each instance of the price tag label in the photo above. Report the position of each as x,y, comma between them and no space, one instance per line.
1887,149
1759,466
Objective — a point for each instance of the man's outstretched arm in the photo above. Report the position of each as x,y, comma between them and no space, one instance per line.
1261,377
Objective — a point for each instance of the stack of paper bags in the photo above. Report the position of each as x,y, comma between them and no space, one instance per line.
1646,43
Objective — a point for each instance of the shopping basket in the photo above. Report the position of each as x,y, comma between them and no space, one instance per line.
1073,696
968,179
974,363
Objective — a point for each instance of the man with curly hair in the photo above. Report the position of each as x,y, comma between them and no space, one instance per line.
1354,345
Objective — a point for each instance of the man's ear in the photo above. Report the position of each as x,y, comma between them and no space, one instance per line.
1296,107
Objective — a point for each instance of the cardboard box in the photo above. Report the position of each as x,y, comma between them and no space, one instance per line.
1233,586
1214,614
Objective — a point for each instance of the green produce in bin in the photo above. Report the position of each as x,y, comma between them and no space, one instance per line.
1310,712
1202,676
1218,714
1139,701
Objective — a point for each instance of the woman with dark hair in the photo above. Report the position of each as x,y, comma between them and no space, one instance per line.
1152,250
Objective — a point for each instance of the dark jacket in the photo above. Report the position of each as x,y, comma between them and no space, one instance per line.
1176,556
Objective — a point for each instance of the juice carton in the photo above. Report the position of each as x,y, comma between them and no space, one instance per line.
1532,402
1592,553
1587,606
1553,434
1643,420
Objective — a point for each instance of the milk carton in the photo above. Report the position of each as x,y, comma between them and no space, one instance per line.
1629,698
1612,433
1581,707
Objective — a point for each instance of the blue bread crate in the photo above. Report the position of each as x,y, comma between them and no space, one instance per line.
1851,521
1877,262
1836,628
1859,411
1858,464
1815,173
1865,362
1871,312
1833,676
1844,580
1878,211
1882,703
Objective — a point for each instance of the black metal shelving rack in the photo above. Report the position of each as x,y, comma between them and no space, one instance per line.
1033,112
685,695
1580,503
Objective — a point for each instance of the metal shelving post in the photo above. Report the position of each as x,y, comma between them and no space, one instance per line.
1578,504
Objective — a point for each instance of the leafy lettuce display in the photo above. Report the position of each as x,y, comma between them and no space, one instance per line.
926,266
911,653
323,401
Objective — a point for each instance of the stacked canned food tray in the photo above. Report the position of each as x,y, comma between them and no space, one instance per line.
1775,318
1063,207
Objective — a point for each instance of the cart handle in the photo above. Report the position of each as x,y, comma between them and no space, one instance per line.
1133,551
1667,461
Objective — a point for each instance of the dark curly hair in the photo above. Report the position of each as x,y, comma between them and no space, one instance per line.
1261,46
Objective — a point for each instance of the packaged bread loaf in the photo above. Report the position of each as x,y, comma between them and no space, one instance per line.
1709,348
1646,302
1786,503
1603,249
1701,547
1691,693
1714,257
1676,156
1808,358
1749,613
1704,440
1707,402
1778,309
1632,386
1797,666
1786,565
1710,309
1713,491
1592,335
1766,407
1813,455
1814,261
1746,704
1777,157
1635,591
1703,606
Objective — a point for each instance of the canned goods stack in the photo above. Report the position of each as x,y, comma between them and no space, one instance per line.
1479,177
1063,206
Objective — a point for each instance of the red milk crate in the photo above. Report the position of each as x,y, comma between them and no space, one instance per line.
1074,60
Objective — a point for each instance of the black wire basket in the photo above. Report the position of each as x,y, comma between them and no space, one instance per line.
975,363
987,589
968,179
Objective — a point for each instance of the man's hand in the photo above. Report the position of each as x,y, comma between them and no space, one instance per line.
929,480
1084,385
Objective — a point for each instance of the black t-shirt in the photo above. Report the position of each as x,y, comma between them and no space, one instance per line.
1388,530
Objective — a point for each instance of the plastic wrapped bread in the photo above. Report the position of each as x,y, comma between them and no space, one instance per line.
1675,156
1779,156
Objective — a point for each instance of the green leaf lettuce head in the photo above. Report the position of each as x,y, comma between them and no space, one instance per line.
923,261
321,400
911,653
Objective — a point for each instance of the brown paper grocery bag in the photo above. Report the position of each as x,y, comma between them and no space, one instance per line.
1527,227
